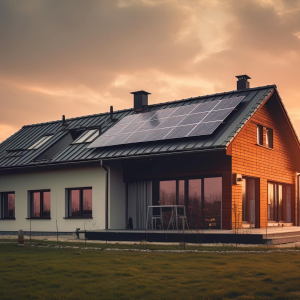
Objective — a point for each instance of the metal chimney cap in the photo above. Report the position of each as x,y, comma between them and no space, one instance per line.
240,77
140,92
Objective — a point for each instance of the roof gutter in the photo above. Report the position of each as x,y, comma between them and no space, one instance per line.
106,193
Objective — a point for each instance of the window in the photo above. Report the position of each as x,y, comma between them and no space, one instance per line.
202,198
260,130
279,202
80,202
8,205
269,138
87,136
40,204
40,142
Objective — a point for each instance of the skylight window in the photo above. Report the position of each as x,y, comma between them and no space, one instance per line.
87,136
41,142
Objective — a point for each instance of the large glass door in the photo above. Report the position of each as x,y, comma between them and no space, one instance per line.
279,202
248,201
202,198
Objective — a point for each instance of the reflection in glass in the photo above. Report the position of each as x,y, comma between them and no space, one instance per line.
244,200
87,202
270,201
36,204
9,205
181,192
75,203
194,204
251,201
167,192
288,196
46,204
212,202
280,203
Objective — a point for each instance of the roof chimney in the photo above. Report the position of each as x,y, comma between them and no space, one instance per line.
243,82
140,100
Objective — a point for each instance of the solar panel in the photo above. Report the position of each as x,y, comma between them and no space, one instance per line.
180,131
217,115
229,103
158,134
119,139
205,128
169,123
132,127
193,118
184,110
152,124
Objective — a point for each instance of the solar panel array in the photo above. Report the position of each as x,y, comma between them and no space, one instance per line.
171,123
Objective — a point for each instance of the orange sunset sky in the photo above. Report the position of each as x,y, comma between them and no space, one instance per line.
77,57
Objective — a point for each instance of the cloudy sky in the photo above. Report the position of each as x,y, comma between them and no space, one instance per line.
77,57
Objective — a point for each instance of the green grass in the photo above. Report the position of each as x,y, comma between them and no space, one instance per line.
48,273
149,246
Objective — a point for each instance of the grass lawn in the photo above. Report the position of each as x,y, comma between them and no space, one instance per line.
49,273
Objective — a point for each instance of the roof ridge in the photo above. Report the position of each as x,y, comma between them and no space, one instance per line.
153,105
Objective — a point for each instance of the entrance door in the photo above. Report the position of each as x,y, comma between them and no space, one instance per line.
248,203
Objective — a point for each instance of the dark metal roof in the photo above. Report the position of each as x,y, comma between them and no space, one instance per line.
14,151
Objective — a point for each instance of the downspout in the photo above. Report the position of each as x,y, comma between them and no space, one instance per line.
106,193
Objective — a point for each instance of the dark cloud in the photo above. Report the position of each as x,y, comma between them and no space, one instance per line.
78,57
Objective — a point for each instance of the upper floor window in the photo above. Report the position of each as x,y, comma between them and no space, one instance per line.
40,142
7,205
40,204
87,136
260,135
269,138
80,202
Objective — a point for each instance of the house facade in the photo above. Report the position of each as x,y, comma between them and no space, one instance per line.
224,161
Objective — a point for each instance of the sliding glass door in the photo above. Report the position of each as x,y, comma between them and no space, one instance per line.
202,198
279,202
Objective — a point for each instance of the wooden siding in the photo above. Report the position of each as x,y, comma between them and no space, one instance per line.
250,159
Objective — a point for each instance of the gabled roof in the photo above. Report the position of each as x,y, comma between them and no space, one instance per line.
14,151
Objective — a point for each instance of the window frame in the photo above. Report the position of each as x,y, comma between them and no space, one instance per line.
186,180
260,135
86,135
2,203
40,142
269,138
30,194
68,199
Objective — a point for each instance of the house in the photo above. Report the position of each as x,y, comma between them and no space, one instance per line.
227,160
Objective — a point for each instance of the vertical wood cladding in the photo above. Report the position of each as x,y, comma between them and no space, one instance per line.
250,159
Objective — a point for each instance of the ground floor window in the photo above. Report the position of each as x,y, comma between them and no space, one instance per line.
202,198
7,202
40,202
279,202
80,202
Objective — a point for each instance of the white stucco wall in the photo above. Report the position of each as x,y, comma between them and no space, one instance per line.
57,181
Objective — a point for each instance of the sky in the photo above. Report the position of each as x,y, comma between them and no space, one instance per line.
77,57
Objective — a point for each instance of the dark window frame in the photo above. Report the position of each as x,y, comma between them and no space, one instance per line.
31,208
186,180
2,203
278,215
81,215
269,138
